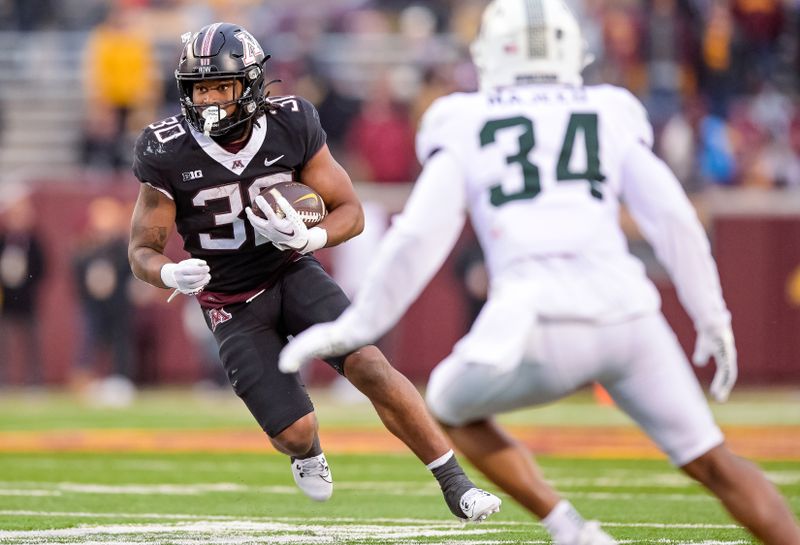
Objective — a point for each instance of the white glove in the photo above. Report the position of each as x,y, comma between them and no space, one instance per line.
288,232
319,341
189,276
718,343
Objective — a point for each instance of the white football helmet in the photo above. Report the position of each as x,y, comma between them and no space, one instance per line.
526,41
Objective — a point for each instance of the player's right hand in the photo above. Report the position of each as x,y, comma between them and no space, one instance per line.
318,341
718,342
287,232
189,276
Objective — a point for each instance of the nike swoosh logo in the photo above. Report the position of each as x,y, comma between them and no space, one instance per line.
268,162
311,196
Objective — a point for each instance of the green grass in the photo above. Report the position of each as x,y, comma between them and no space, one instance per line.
248,498
187,409
243,498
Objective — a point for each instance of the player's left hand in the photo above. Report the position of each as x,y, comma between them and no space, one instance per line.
318,341
719,343
286,233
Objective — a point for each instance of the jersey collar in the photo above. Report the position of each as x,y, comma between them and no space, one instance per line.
235,162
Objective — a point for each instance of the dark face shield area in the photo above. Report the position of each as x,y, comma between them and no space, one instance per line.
213,117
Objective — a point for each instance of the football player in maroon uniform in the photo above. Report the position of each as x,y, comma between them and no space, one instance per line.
256,279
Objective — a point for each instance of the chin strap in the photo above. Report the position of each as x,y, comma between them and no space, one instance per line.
236,133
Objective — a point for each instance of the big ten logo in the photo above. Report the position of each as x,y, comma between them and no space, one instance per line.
192,175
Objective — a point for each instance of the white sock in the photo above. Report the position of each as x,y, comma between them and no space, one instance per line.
440,461
563,522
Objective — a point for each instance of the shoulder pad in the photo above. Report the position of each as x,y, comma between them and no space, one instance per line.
630,112
161,136
438,123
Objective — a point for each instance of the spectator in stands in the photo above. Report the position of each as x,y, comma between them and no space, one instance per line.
121,87
337,111
761,25
381,139
670,52
749,141
717,58
22,267
717,161
622,31
102,276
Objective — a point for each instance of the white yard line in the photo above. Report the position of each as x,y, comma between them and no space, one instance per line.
242,532
340,520
299,531
405,489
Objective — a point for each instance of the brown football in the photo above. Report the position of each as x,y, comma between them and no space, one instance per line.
305,200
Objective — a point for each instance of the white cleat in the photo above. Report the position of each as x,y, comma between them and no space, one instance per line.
592,534
477,505
313,476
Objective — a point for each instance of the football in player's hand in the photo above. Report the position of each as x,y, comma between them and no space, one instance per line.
306,201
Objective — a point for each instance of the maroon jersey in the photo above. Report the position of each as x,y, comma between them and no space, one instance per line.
211,187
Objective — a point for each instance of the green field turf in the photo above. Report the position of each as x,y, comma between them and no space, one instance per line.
246,498
243,498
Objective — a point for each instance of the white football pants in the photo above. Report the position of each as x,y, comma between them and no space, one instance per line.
638,361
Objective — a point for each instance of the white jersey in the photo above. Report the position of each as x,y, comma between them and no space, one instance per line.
541,171
542,167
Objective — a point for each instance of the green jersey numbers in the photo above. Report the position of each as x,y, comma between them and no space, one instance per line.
530,172
587,123
584,124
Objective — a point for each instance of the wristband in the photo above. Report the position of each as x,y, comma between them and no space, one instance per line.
317,238
168,275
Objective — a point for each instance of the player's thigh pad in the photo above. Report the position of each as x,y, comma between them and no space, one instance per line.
658,389
639,361
310,296
249,344
460,392
559,358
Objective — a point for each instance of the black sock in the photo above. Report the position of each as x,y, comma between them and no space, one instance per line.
454,483
315,450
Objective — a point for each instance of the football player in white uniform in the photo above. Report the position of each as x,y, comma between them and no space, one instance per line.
540,163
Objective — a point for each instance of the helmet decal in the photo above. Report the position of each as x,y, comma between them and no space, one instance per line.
208,39
252,49
537,34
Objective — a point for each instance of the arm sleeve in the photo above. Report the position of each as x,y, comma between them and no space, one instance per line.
414,248
668,221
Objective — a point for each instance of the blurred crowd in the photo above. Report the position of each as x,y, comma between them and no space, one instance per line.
719,78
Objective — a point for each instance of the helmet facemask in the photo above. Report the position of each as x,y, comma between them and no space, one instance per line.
218,52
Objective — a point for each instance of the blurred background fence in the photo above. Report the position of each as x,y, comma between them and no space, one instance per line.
80,78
